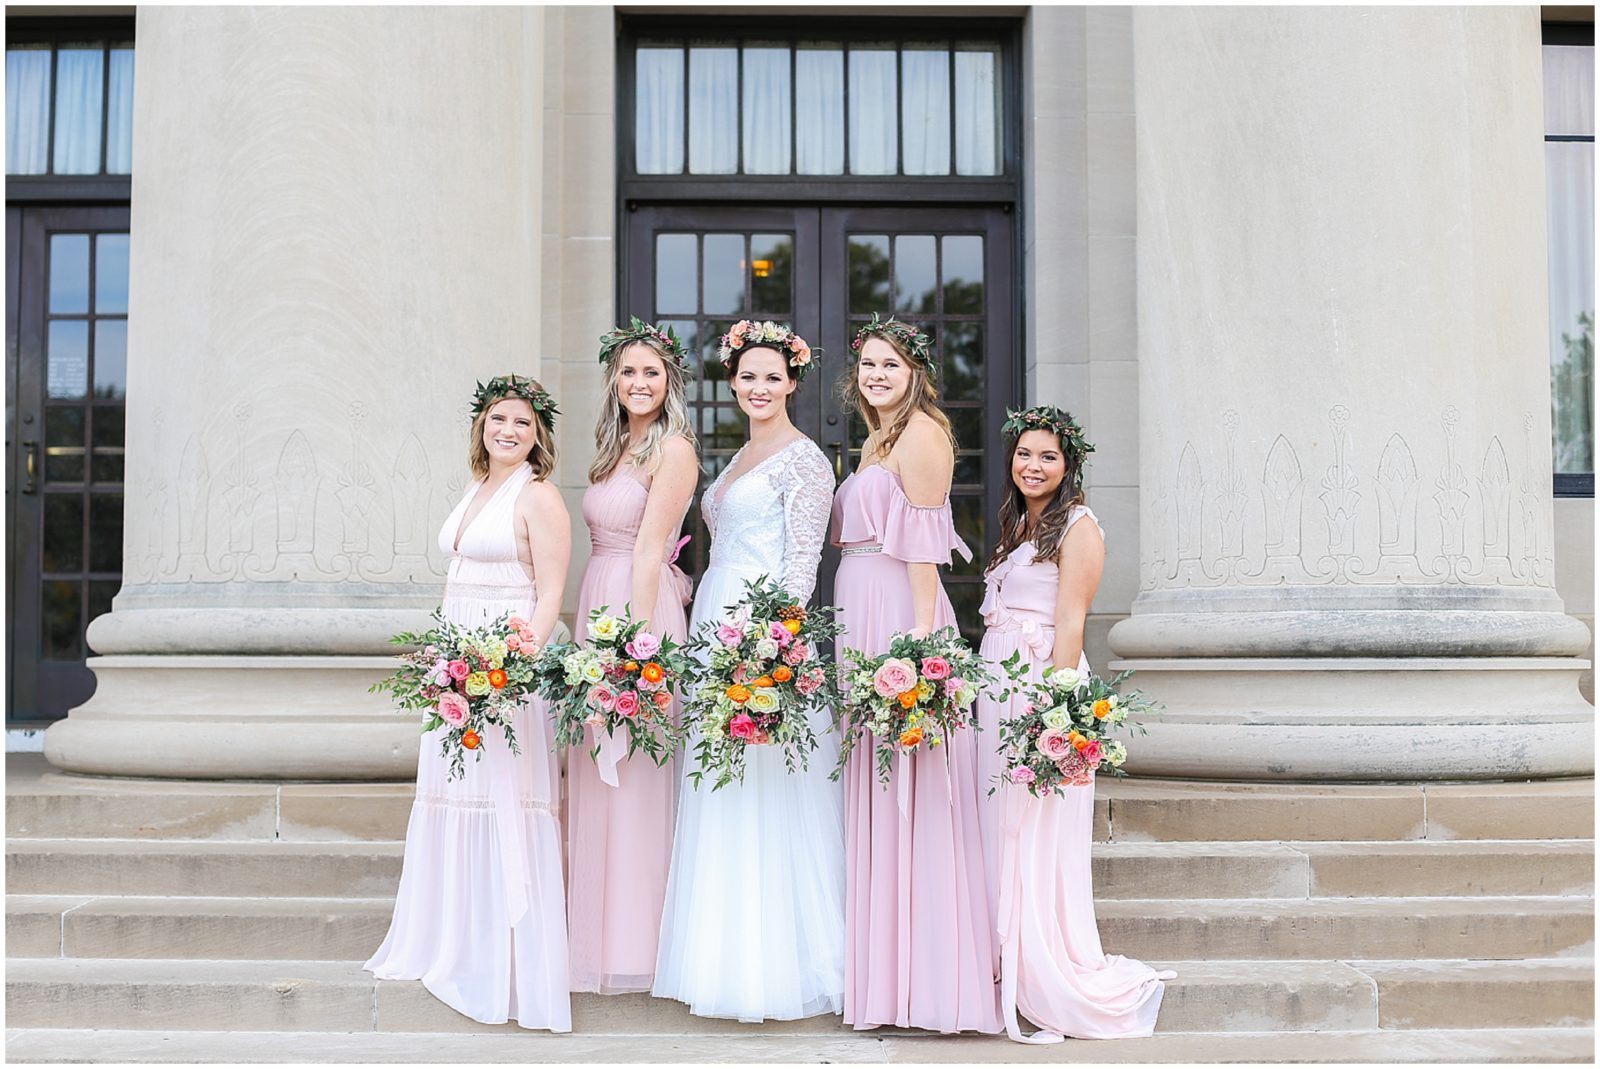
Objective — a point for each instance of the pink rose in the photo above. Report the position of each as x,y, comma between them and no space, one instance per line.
1053,744
1092,752
601,697
954,685
516,623
739,674
1022,774
935,668
459,670
453,708
728,635
780,635
528,638
513,642
643,646
628,704
439,674
742,727
894,676
662,699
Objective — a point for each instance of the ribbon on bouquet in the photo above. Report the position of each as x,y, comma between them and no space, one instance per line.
612,750
1014,802
903,786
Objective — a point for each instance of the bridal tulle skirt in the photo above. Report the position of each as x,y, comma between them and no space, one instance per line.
754,922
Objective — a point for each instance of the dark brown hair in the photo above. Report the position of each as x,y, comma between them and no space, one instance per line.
1052,522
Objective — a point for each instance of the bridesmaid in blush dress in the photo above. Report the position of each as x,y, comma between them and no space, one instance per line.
478,917
918,946
1038,588
620,810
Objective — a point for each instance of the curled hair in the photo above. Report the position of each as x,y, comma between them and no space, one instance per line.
921,396
541,458
611,429
1052,522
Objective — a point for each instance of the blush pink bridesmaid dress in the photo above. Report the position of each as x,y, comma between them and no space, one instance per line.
919,951
619,838
1036,850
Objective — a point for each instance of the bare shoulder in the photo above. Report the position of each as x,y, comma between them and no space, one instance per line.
541,497
923,433
1083,540
679,453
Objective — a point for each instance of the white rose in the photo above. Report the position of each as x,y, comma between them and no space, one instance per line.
1065,678
605,628
592,672
767,649
1056,718
764,700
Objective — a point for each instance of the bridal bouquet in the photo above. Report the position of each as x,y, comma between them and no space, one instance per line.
468,679
758,676
913,696
621,679
1061,737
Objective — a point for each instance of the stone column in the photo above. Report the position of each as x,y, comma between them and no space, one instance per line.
1346,541
336,232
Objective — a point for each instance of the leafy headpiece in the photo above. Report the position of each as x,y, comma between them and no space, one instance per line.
497,389
918,344
612,342
749,333
1053,420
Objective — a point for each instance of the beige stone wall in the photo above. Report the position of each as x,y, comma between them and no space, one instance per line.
1078,242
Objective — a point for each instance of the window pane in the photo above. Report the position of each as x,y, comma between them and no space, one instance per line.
977,111
78,98
119,129
676,275
869,273
27,110
961,365
873,107
819,110
110,358
766,111
61,548
63,444
69,273
658,110
67,358
713,110
111,273
963,274
915,278
109,422
61,614
925,116
724,274
1569,170
771,276
1569,89
105,533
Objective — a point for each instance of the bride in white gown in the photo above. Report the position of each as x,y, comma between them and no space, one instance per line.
753,927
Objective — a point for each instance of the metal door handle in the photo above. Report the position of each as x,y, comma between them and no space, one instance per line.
30,461
838,460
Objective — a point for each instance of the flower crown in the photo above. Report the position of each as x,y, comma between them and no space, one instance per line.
1055,421
497,389
917,343
751,333
613,341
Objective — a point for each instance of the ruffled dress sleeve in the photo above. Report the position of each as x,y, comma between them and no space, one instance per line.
920,534
806,482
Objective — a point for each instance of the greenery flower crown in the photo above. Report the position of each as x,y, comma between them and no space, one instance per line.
917,343
752,333
613,341
1055,421
497,389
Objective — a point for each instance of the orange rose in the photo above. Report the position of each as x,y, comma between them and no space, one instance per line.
1102,709
1080,743
497,678
662,699
908,699
631,666
738,693
911,737
653,672
792,626
471,740
764,681
782,673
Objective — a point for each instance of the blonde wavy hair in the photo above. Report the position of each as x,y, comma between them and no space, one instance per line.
921,396
541,458
611,429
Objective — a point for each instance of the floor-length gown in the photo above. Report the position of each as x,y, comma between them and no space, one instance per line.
619,839
754,920
1036,850
479,914
918,946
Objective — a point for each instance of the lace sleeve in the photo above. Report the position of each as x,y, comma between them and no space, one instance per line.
806,482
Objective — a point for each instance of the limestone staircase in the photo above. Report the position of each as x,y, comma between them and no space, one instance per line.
150,921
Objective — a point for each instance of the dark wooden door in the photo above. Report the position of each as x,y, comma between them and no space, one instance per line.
826,270
67,324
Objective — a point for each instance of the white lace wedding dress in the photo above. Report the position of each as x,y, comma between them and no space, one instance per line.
754,922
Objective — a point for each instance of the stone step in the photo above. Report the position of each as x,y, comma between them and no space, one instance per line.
1482,994
345,929
315,996
1121,870
42,803
1530,1045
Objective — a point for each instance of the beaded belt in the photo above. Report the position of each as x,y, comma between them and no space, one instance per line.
855,551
